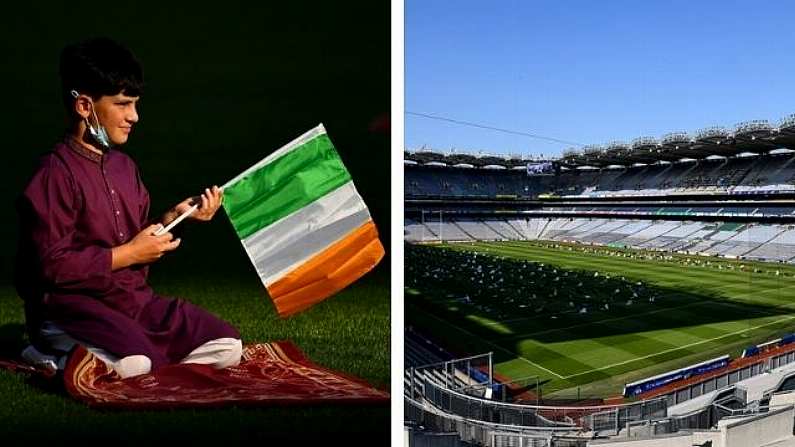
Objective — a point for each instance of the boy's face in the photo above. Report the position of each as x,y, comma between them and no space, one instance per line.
117,114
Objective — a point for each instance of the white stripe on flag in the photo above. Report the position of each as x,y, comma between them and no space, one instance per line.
294,239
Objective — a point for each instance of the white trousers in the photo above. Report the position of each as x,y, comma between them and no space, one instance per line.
218,353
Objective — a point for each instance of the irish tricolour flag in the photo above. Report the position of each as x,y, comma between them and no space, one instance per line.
302,222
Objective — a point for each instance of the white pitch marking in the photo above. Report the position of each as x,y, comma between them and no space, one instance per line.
680,347
634,316
513,354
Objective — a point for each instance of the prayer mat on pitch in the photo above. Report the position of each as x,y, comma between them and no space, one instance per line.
269,374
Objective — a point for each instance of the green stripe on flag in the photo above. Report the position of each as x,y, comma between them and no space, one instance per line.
284,185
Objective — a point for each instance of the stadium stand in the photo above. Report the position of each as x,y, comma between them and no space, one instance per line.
672,239
438,181
780,248
745,402
758,242
504,229
741,242
770,429
732,167
645,237
478,230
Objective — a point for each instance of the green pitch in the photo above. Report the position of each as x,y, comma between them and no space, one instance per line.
586,319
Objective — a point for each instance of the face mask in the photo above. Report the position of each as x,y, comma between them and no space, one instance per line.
98,133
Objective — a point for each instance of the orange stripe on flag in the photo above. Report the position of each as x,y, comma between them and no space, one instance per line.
328,272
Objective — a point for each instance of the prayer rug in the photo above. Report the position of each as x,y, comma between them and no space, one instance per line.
269,374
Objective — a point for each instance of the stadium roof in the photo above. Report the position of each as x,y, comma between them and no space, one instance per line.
433,158
755,137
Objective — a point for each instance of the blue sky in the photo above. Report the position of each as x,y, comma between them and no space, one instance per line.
592,71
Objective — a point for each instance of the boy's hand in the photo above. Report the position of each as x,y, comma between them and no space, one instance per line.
209,203
145,247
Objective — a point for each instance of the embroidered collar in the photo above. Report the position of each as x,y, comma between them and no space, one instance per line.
82,150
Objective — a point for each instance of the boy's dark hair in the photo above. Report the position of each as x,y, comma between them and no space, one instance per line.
99,67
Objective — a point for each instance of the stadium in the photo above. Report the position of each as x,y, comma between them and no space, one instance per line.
627,294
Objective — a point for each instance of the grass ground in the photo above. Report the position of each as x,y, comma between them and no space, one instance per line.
348,332
702,311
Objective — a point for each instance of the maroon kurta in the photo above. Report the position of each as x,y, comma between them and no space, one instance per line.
75,209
